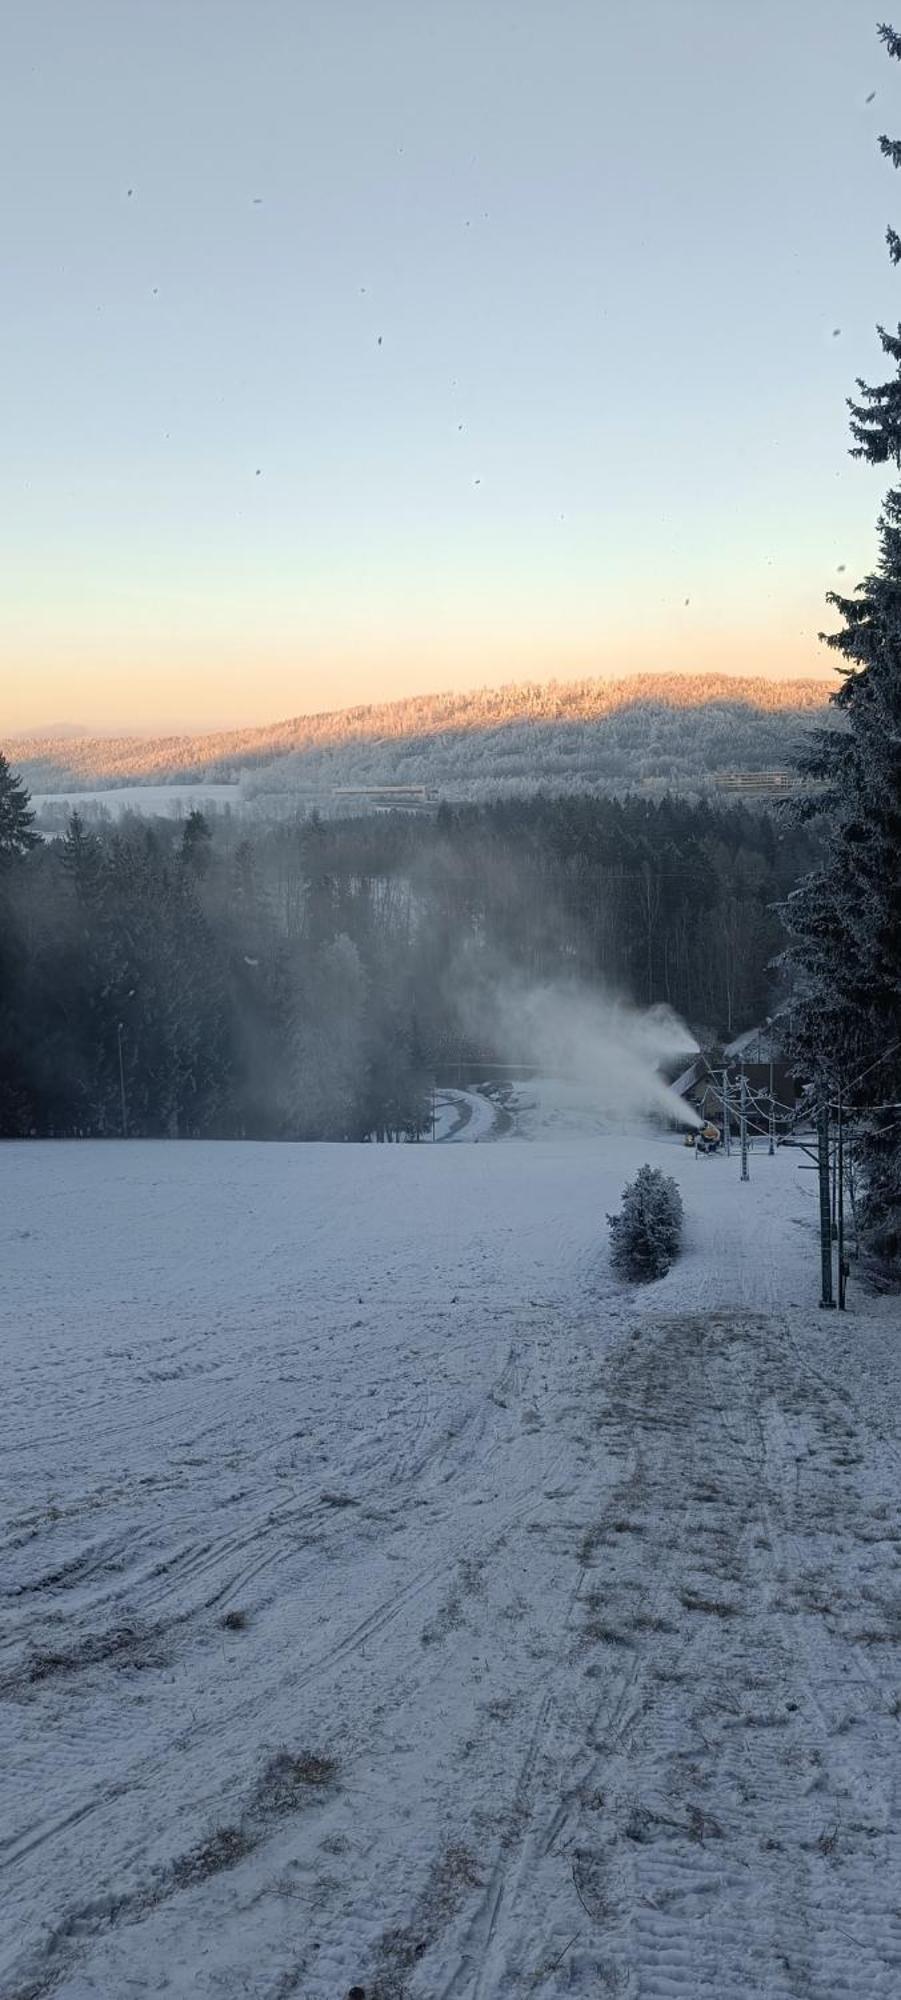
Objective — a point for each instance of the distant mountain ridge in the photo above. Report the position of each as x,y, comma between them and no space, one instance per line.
657,730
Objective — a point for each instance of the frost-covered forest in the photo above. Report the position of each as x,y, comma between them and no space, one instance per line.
844,921
662,732
307,982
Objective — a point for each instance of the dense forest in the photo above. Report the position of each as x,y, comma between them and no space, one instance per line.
655,745
844,921
665,732
158,978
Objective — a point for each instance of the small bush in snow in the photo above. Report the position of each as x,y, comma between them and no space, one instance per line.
646,1234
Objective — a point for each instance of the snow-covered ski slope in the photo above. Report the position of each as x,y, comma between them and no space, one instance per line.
389,1597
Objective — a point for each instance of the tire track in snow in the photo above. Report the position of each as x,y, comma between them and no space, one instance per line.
480,1970
471,1445
714,1826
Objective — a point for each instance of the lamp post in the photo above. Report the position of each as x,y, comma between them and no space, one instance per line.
119,1033
123,1102
840,1153
826,1298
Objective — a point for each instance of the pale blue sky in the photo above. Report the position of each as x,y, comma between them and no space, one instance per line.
611,241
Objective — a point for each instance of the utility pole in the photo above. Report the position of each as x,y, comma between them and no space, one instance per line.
834,1195
840,1150
744,1126
122,1085
727,1136
827,1299
772,1145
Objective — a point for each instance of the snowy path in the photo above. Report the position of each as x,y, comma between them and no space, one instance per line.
466,1115
708,1801
389,1597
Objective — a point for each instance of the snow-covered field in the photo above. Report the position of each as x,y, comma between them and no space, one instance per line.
391,1598
169,801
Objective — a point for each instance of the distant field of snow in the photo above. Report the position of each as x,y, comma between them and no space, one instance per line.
391,1597
168,801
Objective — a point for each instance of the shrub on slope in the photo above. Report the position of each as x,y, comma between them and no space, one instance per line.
646,1235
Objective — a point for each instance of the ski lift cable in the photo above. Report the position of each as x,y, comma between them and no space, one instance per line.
762,1102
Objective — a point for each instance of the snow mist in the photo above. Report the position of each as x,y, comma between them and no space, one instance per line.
603,1056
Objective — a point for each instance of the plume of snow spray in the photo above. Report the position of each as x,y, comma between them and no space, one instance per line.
606,1056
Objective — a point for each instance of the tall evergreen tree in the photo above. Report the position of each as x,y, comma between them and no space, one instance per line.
17,835
196,843
845,919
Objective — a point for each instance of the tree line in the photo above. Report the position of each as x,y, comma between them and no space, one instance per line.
705,722
305,982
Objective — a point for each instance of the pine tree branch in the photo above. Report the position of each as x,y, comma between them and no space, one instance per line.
891,39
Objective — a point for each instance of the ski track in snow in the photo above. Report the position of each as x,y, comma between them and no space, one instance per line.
466,1116
565,1640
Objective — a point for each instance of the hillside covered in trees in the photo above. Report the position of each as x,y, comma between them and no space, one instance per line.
663,733
308,982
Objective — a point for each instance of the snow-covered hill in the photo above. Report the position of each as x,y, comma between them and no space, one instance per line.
392,1598
664,732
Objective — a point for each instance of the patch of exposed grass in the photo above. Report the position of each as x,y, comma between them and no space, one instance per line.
124,1646
285,1781
235,1621
714,1607
598,1632
446,1620
223,1849
592,1540
399,1950
652,1621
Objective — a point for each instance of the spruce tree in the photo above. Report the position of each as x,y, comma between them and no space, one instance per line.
196,843
845,919
17,833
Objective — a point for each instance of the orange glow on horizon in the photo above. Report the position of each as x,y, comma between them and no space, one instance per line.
216,686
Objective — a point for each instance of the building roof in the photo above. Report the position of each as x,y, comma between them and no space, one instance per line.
686,1082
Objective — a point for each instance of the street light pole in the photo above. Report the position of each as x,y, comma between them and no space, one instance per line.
124,1107
826,1299
840,1150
